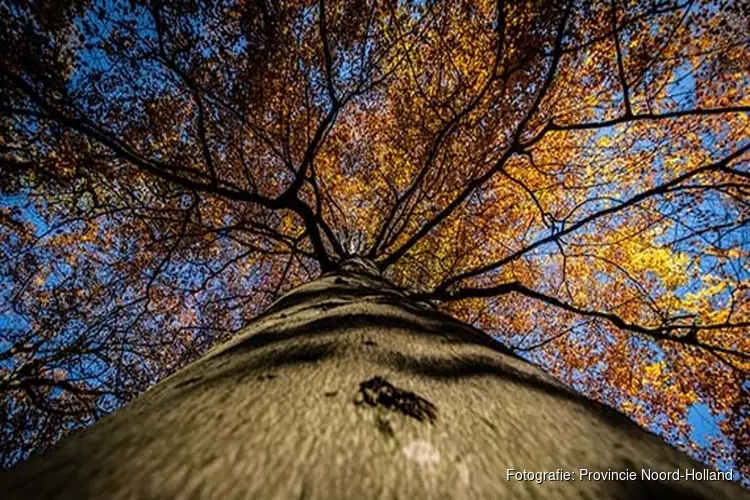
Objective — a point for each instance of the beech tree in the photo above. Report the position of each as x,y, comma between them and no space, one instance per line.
399,215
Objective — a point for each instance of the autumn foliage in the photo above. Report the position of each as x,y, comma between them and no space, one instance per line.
570,176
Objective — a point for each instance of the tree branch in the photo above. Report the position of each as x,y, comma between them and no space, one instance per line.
328,60
664,332
514,148
658,190
644,116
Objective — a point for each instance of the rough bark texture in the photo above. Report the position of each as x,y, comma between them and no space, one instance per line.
347,389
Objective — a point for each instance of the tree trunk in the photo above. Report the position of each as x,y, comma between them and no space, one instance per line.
345,388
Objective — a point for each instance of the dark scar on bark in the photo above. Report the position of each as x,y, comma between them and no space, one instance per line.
378,392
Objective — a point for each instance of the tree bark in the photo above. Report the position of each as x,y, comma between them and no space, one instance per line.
346,388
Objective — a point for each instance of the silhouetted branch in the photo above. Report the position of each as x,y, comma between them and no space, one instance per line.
665,332
721,165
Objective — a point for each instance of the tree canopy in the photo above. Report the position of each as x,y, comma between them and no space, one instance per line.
569,176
